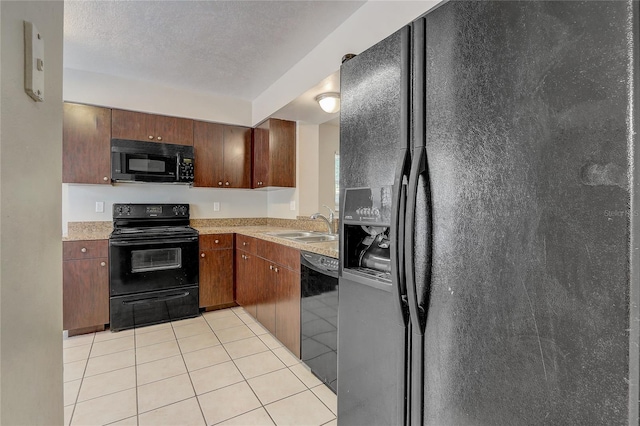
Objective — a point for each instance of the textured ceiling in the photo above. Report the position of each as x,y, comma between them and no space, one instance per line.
230,48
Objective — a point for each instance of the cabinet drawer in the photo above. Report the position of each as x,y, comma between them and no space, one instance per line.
86,249
216,241
245,243
280,254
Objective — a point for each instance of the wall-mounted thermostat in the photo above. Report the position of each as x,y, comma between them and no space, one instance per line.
33,62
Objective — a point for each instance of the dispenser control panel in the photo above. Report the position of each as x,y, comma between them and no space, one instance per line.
368,205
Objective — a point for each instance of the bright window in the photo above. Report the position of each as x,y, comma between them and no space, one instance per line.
337,180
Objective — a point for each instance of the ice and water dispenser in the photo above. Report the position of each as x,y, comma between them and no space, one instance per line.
366,220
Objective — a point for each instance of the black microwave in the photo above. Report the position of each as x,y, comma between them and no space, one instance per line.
136,161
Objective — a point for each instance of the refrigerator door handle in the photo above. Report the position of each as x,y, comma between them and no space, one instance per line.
418,302
398,213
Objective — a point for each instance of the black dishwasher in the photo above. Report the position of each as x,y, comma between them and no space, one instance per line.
319,306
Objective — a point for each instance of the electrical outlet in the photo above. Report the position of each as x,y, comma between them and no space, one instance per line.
216,206
292,205
99,206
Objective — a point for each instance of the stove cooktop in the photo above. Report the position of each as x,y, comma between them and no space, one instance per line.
153,232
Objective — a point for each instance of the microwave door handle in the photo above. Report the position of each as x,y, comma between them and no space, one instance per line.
178,160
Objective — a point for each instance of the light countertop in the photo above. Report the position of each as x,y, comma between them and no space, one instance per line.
101,231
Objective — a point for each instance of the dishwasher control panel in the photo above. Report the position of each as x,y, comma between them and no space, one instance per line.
319,261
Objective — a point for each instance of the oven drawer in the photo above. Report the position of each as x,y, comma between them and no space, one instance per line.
156,307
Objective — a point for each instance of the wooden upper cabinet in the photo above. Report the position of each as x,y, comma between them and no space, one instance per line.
274,154
208,150
237,157
141,126
261,156
86,144
222,155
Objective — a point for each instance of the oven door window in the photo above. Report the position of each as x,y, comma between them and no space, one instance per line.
150,165
156,259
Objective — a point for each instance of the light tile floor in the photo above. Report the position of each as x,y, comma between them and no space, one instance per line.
222,368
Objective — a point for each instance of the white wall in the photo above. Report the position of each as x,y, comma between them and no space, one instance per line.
308,172
118,92
329,145
79,201
371,23
31,262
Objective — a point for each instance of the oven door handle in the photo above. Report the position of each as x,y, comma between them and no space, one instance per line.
126,243
156,299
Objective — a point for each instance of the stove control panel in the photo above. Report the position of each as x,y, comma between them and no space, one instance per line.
150,211
120,210
180,210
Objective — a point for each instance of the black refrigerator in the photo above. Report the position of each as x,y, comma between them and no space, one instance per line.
489,265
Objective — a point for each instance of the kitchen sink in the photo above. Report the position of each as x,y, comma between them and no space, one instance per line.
293,234
304,236
317,238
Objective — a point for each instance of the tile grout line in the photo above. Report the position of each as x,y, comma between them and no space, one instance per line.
243,376
245,379
320,399
195,393
135,371
291,371
75,403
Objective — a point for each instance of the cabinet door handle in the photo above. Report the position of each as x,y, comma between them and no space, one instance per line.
244,243
201,254
105,178
103,263
271,267
227,183
275,269
83,249
159,138
151,137
219,183
217,241
246,258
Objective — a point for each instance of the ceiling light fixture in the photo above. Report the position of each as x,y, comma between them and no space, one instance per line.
329,102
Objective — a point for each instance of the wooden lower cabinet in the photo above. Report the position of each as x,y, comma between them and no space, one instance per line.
266,295
288,309
216,270
268,287
85,284
246,281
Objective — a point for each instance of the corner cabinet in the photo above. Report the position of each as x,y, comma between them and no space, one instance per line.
86,144
85,285
278,292
222,155
216,270
245,273
141,126
274,154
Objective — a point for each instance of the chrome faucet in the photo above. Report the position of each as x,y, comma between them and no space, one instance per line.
328,221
